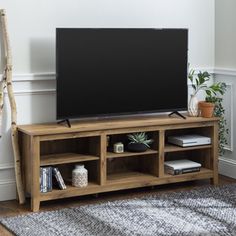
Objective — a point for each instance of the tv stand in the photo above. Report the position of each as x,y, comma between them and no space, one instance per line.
90,142
176,113
67,121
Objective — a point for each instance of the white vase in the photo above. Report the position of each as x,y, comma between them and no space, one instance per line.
79,176
193,106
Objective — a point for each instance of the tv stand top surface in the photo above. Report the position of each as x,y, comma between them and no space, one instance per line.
108,124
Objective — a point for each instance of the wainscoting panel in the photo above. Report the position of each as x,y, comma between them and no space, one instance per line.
228,104
227,163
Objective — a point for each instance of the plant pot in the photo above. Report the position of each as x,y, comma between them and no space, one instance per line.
137,147
206,109
193,106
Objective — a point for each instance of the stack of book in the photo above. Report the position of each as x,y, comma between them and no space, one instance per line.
46,179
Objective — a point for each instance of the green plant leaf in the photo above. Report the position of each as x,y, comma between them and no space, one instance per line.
139,138
208,92
197,82
194,87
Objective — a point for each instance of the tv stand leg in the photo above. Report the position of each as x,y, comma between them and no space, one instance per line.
177,113
35,204
67,122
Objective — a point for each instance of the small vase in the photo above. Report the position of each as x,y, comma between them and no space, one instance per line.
193,106
206,109
79,176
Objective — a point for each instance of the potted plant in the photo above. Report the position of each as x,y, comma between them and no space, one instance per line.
212,91
213,102
138,142
212,99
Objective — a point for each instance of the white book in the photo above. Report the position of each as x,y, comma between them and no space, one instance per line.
59,178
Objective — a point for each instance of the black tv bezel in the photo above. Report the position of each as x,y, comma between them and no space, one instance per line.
120,114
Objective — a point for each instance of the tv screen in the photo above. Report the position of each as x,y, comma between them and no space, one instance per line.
120,71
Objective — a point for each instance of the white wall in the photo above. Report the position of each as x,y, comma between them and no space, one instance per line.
32,25
32,30
225,70
225,44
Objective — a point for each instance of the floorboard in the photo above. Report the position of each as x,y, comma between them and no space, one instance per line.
12,208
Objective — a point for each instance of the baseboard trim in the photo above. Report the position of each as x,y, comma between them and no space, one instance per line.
227,167
7,190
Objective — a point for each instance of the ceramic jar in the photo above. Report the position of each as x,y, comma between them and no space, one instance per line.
118,147
79,176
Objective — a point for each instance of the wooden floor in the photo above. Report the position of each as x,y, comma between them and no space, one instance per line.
11,208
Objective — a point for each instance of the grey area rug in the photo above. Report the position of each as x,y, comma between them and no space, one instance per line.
204,211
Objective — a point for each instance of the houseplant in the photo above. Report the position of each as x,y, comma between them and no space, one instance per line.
213,101
138,142
212,91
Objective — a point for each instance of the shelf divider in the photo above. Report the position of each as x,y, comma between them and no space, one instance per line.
103,161
161,153
129,154
175,148
64,158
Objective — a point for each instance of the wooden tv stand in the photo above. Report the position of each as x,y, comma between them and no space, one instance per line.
86,142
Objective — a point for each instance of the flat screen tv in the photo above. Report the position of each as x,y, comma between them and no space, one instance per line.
107,72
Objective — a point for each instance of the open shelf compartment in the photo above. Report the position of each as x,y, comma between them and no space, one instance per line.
115,138
203,131
131,168
66,173
201,155
55,152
